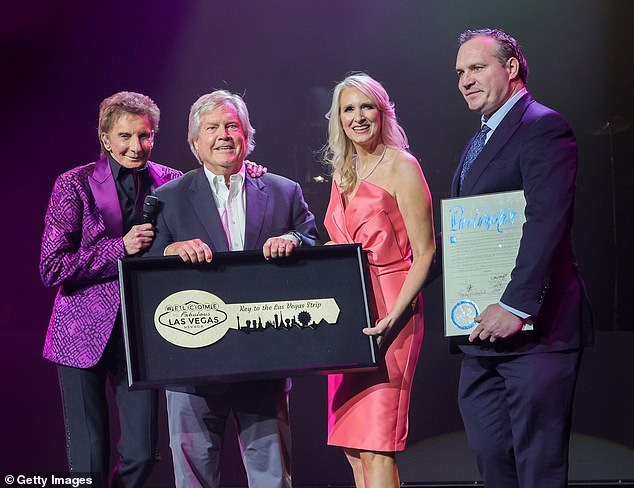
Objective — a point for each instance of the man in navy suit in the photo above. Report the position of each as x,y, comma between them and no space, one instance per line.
215,208
516,387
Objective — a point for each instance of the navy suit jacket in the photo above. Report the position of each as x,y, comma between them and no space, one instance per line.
274,205
534,149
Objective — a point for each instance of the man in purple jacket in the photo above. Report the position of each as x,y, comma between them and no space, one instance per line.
93,219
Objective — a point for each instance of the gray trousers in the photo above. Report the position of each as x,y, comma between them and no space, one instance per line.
196,429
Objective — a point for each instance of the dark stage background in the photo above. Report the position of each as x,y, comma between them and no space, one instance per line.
60,59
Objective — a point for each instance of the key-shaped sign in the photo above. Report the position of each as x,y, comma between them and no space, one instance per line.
197,318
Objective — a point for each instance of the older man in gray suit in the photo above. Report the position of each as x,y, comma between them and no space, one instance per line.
219,207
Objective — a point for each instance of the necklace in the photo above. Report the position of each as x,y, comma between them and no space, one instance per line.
356,165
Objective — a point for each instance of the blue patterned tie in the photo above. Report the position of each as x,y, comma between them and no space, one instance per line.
474,150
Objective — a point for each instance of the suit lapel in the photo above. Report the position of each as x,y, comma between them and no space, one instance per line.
202,201
498,140
103,189
156,176
256,199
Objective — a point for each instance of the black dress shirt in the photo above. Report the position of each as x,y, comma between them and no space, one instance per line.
133,185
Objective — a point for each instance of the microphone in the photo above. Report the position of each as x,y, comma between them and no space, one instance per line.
150,209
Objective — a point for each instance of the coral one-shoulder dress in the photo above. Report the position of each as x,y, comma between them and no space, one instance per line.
369,411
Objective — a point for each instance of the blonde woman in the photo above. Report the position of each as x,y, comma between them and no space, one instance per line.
380,199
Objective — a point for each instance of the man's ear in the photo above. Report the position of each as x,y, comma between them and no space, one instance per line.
105,141
513,67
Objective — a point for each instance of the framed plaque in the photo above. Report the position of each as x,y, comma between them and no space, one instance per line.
481,237
242,317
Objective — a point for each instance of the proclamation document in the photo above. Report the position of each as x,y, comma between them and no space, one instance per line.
480,240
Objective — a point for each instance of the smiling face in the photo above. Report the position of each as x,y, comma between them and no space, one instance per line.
360,118
221,143
130,140
485,83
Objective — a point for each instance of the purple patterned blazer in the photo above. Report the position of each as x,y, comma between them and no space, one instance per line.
82,241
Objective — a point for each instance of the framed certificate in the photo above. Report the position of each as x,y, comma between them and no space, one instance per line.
242,317
480,240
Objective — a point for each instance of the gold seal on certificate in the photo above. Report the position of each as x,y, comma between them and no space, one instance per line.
480,239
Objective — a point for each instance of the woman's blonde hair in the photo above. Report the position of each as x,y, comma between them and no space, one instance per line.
339,152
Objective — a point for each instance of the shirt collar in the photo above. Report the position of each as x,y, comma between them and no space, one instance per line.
236,180
497,117
116,168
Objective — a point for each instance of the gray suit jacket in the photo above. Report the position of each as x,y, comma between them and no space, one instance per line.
275,205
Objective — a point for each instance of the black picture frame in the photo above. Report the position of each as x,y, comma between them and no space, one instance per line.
339,272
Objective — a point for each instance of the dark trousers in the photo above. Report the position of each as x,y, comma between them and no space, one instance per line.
517,411
87,425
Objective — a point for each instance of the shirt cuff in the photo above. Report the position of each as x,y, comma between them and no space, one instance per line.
519,313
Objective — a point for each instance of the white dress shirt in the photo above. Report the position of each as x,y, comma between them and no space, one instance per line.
497,117
231,205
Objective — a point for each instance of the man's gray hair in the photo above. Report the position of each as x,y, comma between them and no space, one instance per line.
207,103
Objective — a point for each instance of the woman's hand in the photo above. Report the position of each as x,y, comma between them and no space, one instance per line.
381,328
